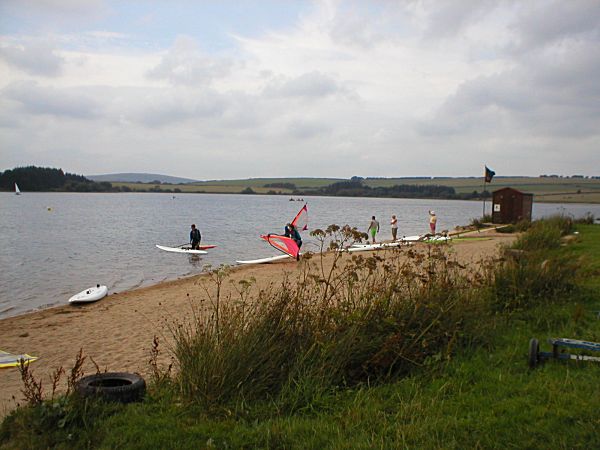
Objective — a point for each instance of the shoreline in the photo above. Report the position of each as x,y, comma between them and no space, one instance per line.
117,331
537,198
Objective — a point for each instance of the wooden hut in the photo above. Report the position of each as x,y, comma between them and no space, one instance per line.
511,206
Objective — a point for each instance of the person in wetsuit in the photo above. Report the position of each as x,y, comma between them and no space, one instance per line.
293,233
195,237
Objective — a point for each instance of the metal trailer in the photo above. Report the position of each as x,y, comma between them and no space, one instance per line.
536,357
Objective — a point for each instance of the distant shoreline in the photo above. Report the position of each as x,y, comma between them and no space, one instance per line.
538,198
546,188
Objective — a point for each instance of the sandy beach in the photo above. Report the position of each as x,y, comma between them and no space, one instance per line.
118,331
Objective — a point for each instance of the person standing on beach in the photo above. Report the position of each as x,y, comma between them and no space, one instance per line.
373,228
394,224
432,221
195,237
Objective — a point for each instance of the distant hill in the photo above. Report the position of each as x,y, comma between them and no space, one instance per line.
139,178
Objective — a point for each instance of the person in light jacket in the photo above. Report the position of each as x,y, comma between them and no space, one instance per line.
432,221
394,225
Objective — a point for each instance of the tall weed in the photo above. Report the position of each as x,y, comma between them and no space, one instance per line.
545,234
365,320
539,274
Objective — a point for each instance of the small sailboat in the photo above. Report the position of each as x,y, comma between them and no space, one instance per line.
17,190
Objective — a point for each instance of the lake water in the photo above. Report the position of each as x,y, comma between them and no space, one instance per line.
53,245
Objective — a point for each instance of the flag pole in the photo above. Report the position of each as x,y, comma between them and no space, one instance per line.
483,195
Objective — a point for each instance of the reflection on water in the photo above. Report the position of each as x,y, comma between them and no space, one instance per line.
53,245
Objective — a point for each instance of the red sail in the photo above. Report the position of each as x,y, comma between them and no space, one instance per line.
283,244
301,219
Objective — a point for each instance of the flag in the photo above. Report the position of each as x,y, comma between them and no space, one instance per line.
489,174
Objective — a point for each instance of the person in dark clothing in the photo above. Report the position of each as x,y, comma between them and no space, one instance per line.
195,237
293,233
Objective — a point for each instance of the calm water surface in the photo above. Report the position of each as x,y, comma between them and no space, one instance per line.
53,245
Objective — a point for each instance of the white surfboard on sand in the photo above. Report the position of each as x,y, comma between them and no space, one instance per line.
265,260
415,238
438,239
366,247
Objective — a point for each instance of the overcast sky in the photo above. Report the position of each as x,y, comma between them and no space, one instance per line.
237,89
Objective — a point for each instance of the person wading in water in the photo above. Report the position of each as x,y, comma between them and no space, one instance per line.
195,237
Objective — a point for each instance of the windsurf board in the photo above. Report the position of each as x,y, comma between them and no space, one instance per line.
265,260
10,360
415,238
366,247
189,251
437,239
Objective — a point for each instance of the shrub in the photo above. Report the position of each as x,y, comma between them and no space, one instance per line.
535,275
588,219
528,281
545,234
368,320
482,222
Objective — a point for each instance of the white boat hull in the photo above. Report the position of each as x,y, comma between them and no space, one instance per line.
92,294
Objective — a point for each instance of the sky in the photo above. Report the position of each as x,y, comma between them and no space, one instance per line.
290,88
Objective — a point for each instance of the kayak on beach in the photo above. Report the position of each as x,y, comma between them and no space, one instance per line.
90,295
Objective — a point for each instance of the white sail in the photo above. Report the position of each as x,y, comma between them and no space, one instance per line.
17,190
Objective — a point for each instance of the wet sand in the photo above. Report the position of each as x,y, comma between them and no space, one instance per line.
118,331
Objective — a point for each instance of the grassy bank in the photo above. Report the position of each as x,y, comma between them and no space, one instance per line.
545,189
384,354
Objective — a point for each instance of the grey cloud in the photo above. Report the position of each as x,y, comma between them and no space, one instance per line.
56,8
161,107
34,58
185,65
304,129
351,28
516,102
446,19
547,22
36,99
308,85
550,91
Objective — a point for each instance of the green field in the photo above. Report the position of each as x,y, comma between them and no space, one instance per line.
558,190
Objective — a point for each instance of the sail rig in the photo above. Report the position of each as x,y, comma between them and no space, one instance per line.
301,219
286,244
283,244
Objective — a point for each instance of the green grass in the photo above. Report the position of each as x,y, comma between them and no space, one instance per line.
545,189
481,396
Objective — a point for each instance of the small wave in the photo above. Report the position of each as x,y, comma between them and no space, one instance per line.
2,311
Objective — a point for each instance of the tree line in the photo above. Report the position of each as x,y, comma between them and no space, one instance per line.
355,188
32,179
